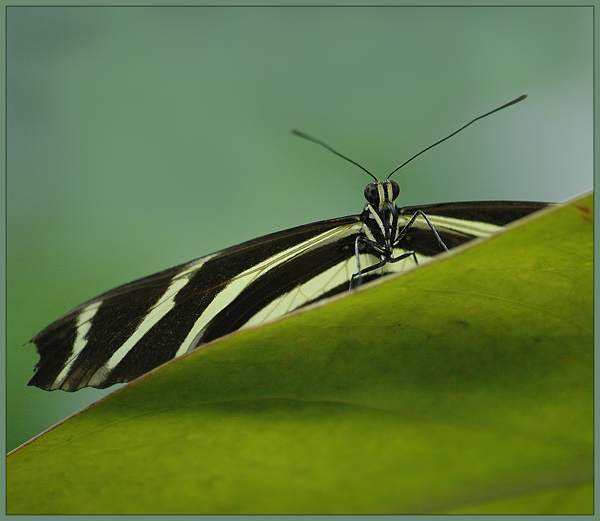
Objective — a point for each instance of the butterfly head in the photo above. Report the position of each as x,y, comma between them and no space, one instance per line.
382,193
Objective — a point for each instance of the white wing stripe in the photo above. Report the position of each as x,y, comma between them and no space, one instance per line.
242,281
474,228
84,323
164,305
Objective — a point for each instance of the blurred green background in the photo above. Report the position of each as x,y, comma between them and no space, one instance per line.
141,138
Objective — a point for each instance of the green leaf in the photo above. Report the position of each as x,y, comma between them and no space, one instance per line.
465,385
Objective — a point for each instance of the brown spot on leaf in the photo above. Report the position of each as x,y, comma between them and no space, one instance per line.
586,212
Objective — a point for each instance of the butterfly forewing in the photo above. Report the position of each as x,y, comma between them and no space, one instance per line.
128,331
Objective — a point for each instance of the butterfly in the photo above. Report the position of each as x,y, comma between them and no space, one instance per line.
128,331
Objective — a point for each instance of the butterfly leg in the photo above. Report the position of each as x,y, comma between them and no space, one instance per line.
380,264
374,249
406,255
371,247
408,225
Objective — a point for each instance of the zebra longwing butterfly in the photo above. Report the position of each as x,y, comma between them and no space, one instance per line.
129,330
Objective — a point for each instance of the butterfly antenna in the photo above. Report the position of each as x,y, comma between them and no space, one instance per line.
520,98
319,142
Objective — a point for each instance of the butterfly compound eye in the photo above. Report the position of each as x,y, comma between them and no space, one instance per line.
395,189
372,193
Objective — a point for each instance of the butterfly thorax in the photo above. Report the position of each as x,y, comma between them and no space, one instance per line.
381,214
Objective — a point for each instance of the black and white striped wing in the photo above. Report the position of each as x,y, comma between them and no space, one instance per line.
460,222
134,328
